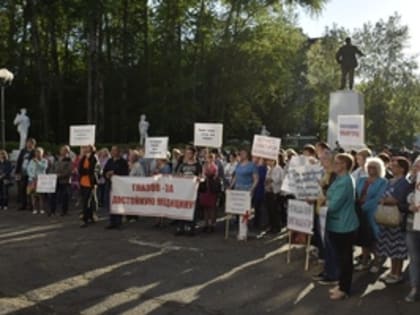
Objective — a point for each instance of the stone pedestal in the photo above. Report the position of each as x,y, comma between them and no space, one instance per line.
343,103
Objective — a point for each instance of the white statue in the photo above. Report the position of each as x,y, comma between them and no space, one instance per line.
23,123
264,131
143,129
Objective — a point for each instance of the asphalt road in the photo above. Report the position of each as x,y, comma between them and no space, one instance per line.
51,266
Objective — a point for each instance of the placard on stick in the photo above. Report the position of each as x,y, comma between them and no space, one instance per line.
82,135
208,135
266,147
238,202
46,183
156,147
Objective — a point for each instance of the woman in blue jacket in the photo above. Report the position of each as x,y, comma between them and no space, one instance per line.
342,222
369,192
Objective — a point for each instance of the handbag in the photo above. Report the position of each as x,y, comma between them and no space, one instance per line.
388,216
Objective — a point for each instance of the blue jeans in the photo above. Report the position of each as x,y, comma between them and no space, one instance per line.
413,245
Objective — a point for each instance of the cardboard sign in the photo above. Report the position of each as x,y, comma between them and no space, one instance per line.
208,135
46,183
300,216
158,196
156,148
351,131
238,202
82,135
266,147
302,180
416,225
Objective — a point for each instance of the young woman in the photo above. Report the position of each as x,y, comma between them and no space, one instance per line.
5,171
208,197
361,157
38,165
342,223
272,201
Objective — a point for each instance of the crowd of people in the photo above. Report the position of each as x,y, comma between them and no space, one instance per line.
360,190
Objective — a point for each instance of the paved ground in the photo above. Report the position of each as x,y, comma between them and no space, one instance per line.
51,266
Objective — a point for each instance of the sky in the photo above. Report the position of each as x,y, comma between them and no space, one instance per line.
353,14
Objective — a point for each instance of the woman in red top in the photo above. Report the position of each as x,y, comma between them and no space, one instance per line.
210,190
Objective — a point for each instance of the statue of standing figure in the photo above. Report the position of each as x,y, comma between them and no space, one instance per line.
23,123
143,129
264,131
346,57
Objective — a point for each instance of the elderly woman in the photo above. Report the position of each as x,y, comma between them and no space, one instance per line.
391,241
361,157
413,238
342,223
369,191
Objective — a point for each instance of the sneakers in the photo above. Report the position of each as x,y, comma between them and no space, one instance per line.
392,279
412,296
5,208
34,212
42,211
374,269
338,295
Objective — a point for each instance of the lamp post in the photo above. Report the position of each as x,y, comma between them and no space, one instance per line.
6,78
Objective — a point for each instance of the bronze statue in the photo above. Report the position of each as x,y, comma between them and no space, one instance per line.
346,57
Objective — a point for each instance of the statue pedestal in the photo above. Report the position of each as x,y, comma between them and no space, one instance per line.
344,102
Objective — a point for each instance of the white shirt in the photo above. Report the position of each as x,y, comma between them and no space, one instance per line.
276,175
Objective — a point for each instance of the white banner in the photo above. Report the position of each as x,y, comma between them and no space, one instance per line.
238,202
82,135
158,196
351,131
266,147
46,183
156,148
416,225
208,135
302,180
300,216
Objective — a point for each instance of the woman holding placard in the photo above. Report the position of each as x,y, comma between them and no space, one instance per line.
413,234
342,223
38,165
245,179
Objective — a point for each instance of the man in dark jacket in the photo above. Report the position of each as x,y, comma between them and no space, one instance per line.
63,167
25,156
346,57
116,165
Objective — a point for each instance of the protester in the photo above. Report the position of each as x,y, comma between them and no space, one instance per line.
361,157
103,157
369,191
162,168
413,238
189,167
21,175
258,196
6,169
321,148
386,159
208,195
116,165
309,151
245,179
63,168
326,252
230,168
176,154
391,241
342,223
37,166
273,182
88,171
